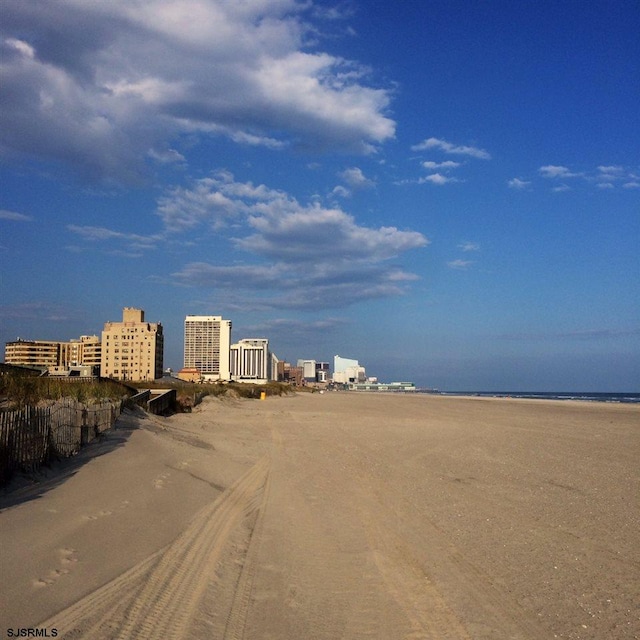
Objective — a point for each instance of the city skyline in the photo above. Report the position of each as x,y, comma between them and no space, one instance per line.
206,339
448,192
133,349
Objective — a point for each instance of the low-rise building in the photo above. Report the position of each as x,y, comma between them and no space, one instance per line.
189,375
382,386
287,373
34,353
54,355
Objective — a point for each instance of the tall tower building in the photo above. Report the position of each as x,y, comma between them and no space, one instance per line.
207,342
132,349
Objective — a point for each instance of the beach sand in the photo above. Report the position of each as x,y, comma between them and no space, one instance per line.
336,515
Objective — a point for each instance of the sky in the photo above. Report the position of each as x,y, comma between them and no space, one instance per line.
448,192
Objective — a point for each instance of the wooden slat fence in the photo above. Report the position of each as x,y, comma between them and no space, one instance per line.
24,438
32,436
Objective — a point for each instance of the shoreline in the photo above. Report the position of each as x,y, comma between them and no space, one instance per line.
492,396
562,396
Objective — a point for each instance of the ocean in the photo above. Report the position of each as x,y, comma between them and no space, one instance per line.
550,395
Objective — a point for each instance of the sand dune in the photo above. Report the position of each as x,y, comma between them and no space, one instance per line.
337,516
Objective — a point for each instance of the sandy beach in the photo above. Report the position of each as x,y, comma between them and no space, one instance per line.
336,516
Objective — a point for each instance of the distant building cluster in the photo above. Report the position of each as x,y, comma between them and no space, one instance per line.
133,350
129,350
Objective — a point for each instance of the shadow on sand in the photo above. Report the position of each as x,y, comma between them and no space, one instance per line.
26,487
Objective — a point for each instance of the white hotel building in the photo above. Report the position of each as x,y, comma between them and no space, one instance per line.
251,361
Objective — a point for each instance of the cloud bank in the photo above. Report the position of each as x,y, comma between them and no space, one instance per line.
297,256
106,87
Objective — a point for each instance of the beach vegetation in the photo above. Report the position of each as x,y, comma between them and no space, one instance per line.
190,394
18,389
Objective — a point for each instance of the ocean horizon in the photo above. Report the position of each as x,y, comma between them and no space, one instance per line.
590,396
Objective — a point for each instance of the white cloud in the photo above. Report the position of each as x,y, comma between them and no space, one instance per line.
14,216
341,191
22,47
610,169
102,234
517,183
469,246
242,137
167,156
448,147
631,185
124,85
213,200
556,171
603,177
306,234
438,179
610,176
447,164
356,179
459,264
216,201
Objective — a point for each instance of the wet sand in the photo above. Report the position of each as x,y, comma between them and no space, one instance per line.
337,515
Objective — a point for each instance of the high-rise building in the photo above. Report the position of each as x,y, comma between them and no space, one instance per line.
207,342
132,349
251,360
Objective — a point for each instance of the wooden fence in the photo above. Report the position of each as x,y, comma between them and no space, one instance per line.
33,436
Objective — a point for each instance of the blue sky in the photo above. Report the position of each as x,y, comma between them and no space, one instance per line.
448,192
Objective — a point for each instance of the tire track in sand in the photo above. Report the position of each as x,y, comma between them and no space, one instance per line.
163,591
237,616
